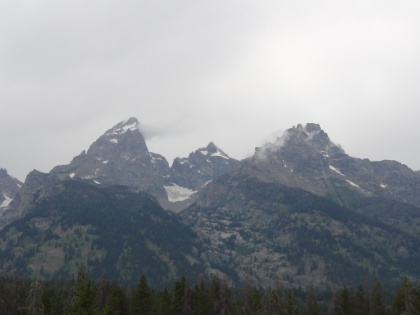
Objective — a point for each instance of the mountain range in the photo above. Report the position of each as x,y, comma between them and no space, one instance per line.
299,211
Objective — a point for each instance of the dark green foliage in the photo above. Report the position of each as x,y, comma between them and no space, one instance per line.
179,295
376,301
117,302
311,307
210,298
201,299
85,299
406,301
163,304
141,299
220,296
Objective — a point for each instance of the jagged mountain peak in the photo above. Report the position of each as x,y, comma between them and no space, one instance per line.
305,157
202,166
311,133
310,138
120,156
129,125
211,150
124,136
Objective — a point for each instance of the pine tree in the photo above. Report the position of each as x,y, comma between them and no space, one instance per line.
405,301
141,301
311,304
360,301
271,303
187,307
221,297
163,305
252,300
376,303
292,305
117,303
201,299
178,296
84,301
34,299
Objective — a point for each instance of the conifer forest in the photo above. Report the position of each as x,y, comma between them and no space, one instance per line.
83,296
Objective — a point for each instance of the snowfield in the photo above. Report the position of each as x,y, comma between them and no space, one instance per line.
178,193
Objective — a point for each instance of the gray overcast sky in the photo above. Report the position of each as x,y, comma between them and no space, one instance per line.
232,72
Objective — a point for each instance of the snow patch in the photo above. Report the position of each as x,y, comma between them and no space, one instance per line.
183,161
383,185
336,170
5,202
178,193
131,127
105,162
353,184
220,154
96,182
204,152
72,175
123,128
325,154
113,140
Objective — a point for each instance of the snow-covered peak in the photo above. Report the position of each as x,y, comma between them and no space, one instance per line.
130,124
213,151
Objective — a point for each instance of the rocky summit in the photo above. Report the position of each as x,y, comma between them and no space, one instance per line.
201,167
118,157
305,157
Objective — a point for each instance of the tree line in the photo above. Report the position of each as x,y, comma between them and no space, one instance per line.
85,297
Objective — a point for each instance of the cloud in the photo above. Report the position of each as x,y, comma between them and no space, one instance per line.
194,72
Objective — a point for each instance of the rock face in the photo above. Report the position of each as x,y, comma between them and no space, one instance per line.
305,157
36,186
9,186
201,167
161,166
274,234
119,157
303,211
